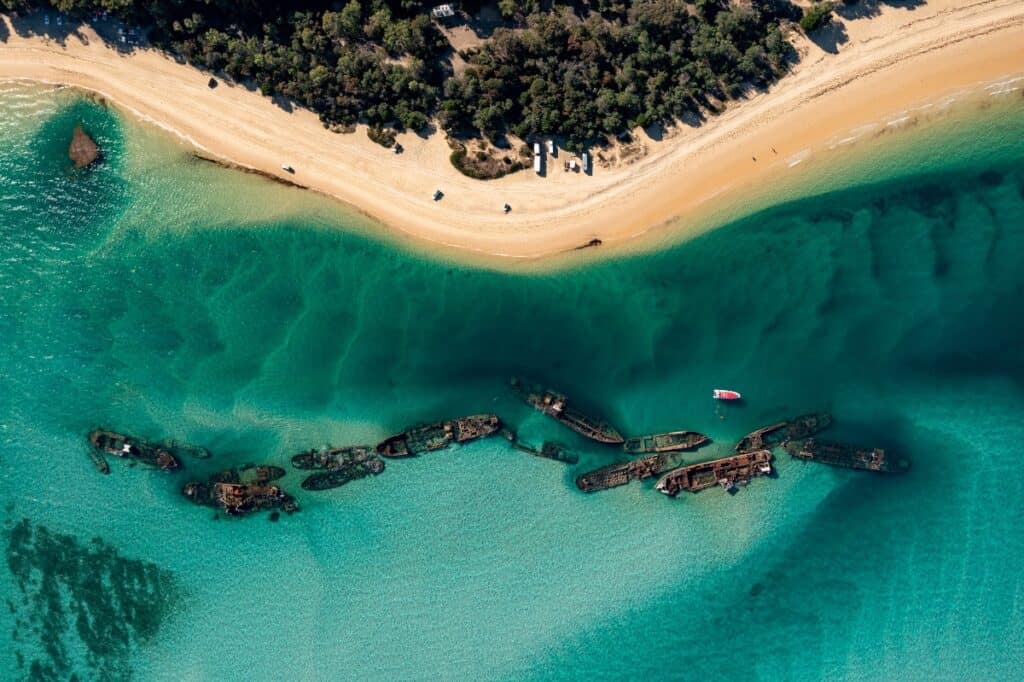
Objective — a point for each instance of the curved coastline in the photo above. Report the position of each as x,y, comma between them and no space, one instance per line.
732,165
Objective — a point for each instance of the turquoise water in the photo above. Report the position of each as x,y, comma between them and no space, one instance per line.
169,298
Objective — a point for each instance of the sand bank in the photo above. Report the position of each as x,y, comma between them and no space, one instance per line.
869,70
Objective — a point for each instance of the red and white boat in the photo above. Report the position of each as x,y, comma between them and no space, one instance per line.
726,394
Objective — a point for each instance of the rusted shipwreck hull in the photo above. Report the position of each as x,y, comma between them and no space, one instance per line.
847,456
778,434
727,472
439,435
557,406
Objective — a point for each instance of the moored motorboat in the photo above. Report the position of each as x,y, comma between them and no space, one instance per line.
726,394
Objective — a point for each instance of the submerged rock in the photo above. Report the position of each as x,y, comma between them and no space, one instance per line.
83,150
81,610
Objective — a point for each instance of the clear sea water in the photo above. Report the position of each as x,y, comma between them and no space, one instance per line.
167,297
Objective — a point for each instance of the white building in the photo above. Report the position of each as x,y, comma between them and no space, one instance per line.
443,11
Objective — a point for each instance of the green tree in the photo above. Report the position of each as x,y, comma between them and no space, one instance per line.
816,16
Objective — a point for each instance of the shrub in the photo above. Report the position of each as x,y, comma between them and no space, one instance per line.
483,169
816,16
385,137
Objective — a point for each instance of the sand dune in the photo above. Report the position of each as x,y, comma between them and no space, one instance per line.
883,65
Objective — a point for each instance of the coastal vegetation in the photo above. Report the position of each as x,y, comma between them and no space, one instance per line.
385,137
817,15
485,163
585,71
589,74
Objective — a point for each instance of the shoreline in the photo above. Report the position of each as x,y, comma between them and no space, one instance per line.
890,65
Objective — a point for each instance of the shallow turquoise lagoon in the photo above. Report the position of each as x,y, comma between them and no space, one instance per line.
169,298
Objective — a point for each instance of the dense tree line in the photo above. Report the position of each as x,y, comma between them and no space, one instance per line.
378,61
626,64
584,71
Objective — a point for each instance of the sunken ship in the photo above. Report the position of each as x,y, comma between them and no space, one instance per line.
622,473
782,432
439,435
332,458
242,491
339,476
547,450
557,406
727,472
846,456
665,442
127,447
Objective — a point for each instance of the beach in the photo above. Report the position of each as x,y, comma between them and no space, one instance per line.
886,68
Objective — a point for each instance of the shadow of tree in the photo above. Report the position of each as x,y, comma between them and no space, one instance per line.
655,131
872,8
283,102
693,118
486,20
426,131
483,23
830,37
58,28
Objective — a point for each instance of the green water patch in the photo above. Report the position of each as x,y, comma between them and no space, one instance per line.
82,609
53,213
68,205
